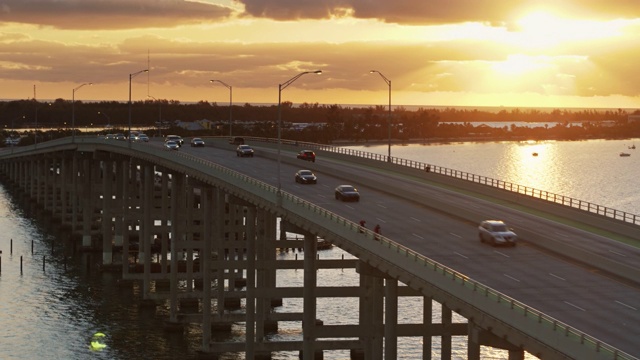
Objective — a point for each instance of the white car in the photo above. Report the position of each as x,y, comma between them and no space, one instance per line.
496,232
142,137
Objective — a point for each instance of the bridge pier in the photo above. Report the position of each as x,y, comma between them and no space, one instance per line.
210,232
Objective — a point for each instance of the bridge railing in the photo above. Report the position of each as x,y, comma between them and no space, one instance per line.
484,180
301,206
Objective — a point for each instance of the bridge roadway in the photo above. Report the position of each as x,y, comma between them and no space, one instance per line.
583,296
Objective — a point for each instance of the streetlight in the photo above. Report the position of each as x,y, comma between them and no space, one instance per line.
108,118
35,131
159,114
131,76
389,116
280,88
73,111
230,99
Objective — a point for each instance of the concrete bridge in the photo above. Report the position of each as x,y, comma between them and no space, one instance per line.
201,228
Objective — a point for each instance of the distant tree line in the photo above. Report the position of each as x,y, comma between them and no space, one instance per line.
323,123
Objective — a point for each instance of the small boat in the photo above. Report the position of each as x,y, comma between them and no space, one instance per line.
632,147
535,154
624,154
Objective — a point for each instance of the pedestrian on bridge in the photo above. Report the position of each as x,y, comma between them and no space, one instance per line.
362,225
377,231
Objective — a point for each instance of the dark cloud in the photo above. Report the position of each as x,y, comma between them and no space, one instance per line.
112,14
436,11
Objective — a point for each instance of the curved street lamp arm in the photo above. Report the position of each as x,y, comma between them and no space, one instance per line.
290,81
383,77
221,82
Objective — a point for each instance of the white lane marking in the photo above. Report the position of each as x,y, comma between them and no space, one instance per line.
623,304
617,253
460,255
511,277
575,306
561,234
349,207
325,185
418,236
557,277
322,196
501,253
380,220
414,219
456,235
382,206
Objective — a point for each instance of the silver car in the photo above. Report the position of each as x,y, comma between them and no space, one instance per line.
496,232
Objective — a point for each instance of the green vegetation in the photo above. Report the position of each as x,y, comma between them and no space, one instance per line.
314,122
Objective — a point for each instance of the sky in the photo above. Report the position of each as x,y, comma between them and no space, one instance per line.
525,53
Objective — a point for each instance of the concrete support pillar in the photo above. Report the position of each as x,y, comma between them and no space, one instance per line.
219,240
250,228
473,342
120,200
446,338
107,247
309,293
427,321
87,203
391,319
147,224
164,224
206,258
177,207
75,189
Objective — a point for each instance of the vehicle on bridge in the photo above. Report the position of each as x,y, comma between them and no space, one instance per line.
197,142
171,145
244,150
306,177
496,232
176,138
307,155
347,193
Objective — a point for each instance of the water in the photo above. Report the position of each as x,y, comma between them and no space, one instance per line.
53,313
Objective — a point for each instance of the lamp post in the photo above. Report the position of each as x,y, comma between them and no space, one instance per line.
230,100
35,131
73,111
131,76
280,88
159,114
389,116
106,116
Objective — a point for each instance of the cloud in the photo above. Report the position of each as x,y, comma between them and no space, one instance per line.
436,11
111,14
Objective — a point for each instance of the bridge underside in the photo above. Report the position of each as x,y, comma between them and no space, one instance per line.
214,257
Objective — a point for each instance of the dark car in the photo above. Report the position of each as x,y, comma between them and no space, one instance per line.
236,140
244,150
347,193
306,177
197,142
178,139
307,155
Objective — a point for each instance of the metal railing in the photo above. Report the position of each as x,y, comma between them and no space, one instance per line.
239,183
484,180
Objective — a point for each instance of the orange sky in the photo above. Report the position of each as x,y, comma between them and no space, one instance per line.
529,53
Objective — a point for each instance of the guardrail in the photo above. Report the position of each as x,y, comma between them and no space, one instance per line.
265,191
484,180
507,303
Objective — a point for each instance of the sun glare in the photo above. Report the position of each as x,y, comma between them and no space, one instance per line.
518,65
543,29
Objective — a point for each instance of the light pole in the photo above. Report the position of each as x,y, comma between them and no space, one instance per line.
35,131
108,118
131,76
230,99
389,116
159,114
73,111
280,88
